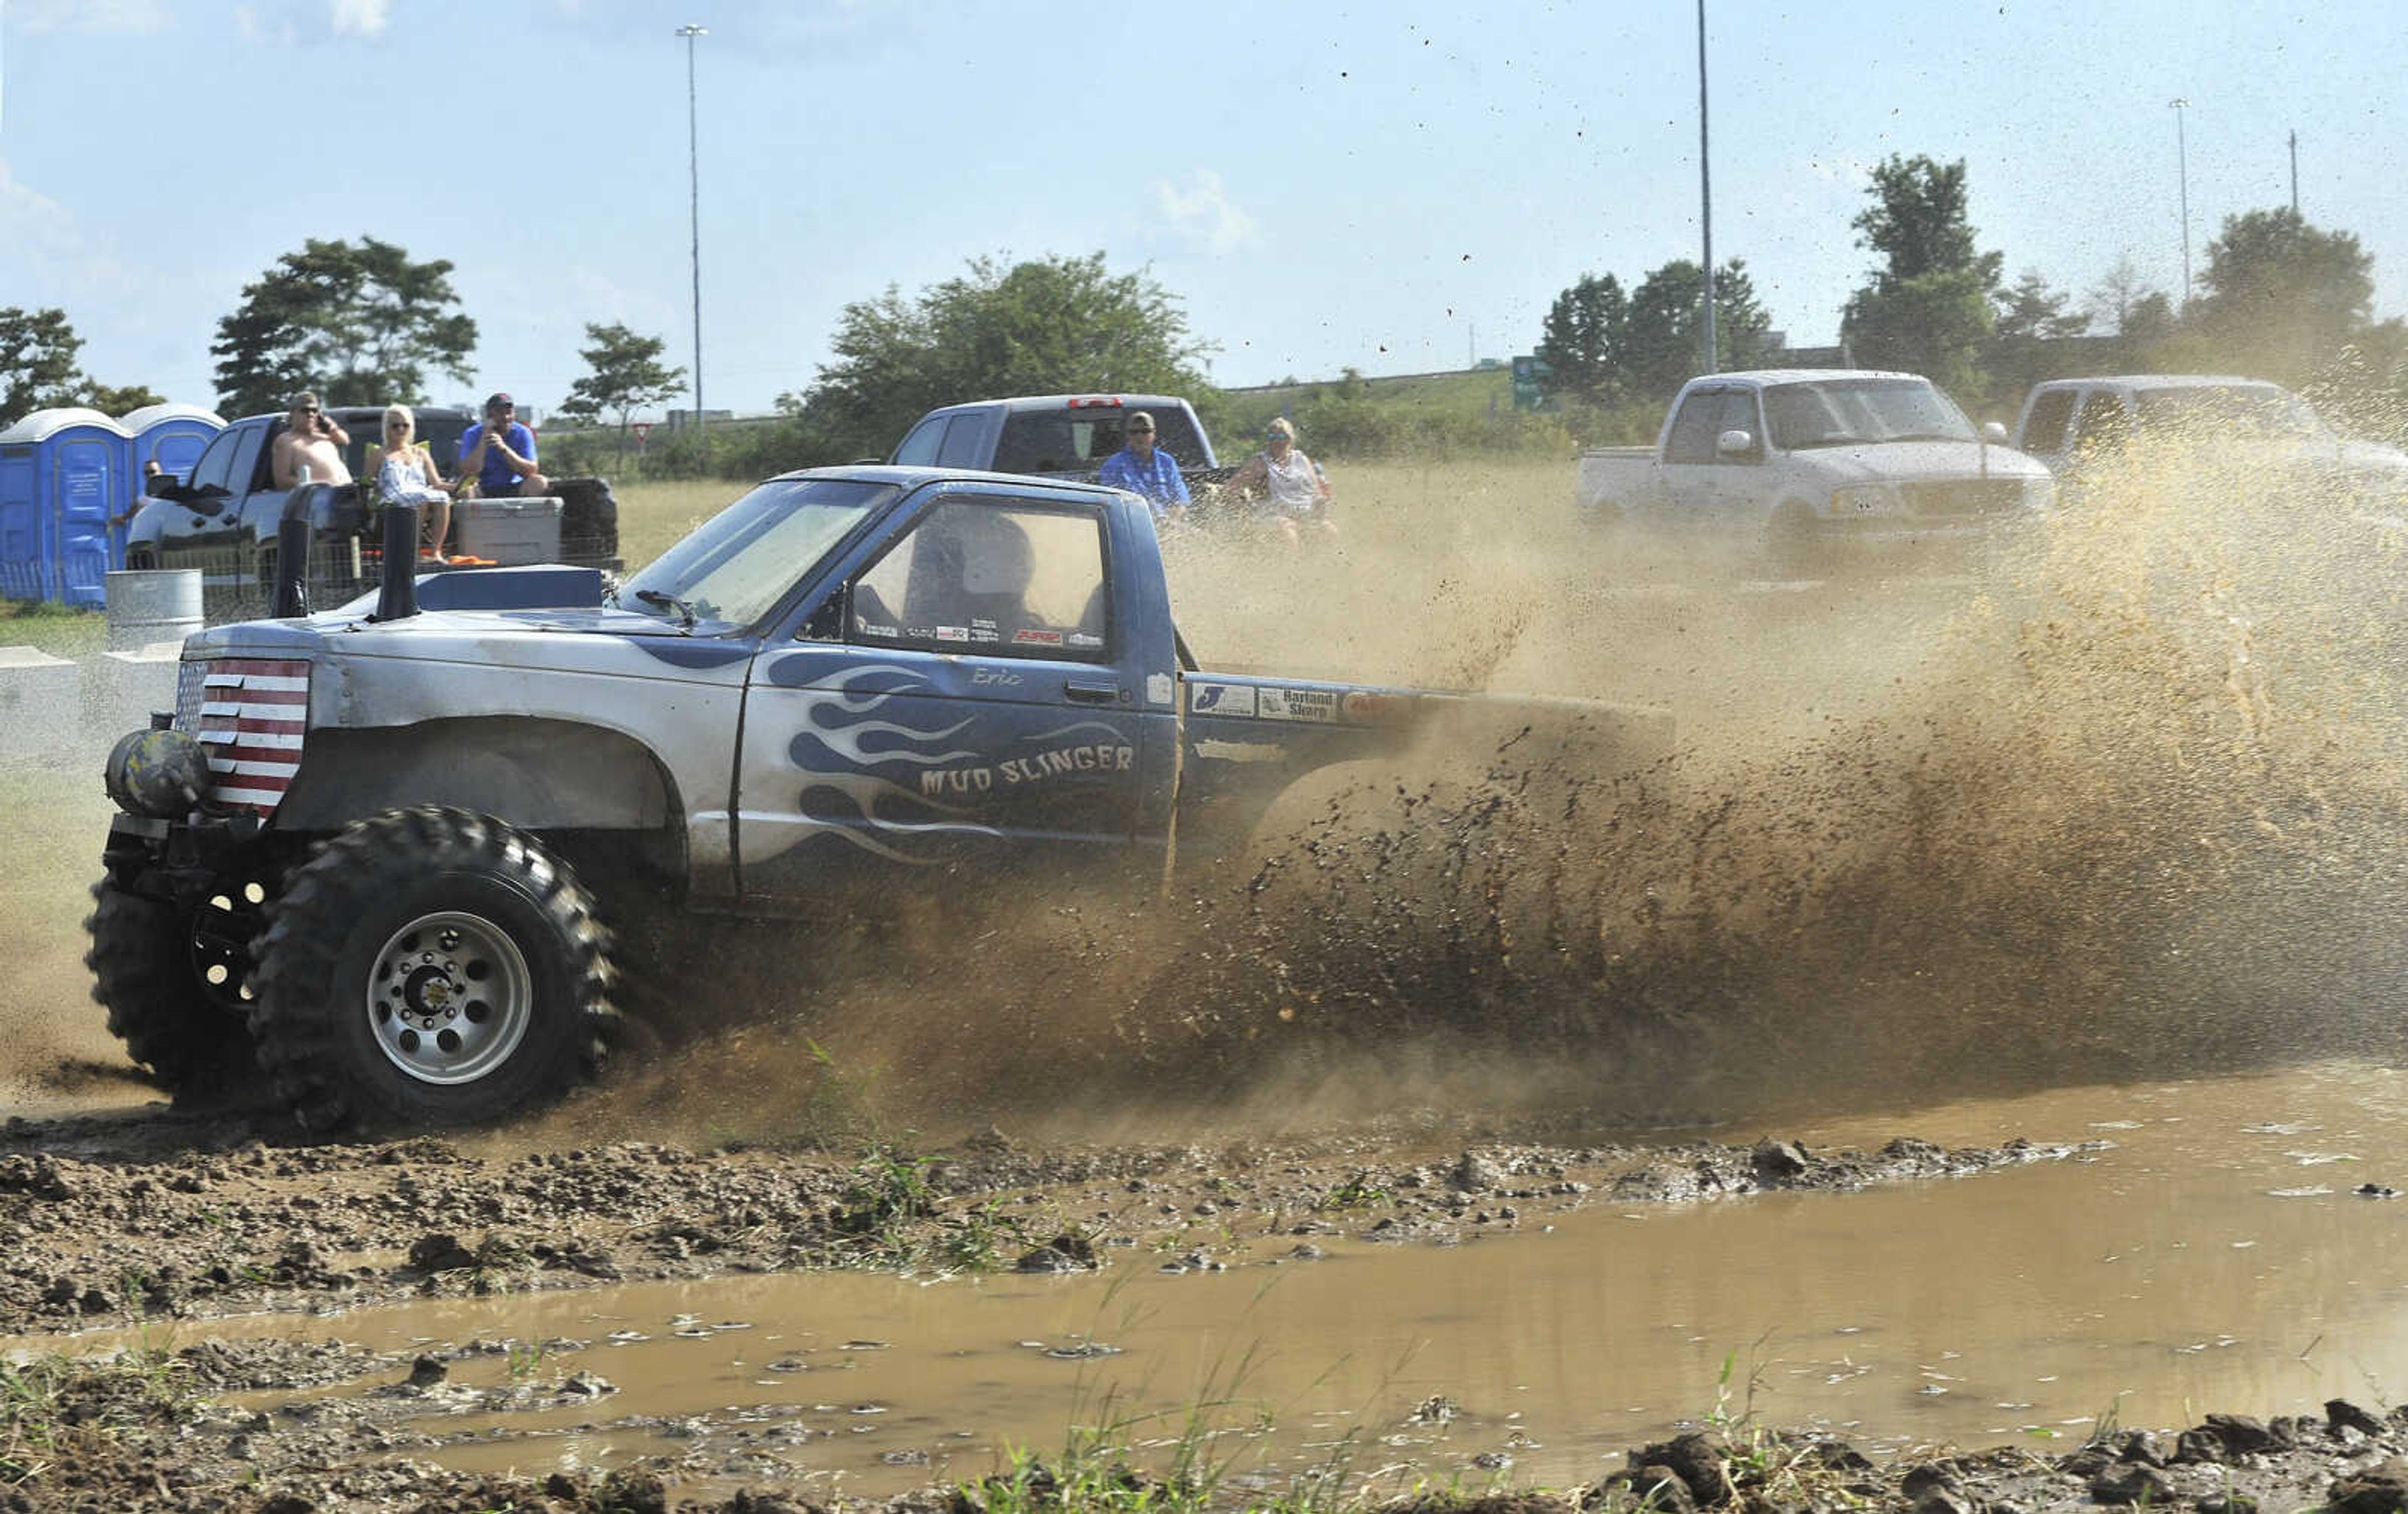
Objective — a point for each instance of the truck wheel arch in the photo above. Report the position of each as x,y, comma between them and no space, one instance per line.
536,774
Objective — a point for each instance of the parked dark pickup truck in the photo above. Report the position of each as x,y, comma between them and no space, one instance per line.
1059,436
224,519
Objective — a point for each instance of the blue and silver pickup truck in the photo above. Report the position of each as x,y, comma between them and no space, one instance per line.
346,858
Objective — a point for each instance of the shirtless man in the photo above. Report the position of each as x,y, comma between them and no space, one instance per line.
311,437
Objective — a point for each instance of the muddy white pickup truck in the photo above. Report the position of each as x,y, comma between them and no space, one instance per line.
2077,427
1805,470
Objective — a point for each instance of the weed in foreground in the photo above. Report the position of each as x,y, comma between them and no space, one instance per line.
56,1408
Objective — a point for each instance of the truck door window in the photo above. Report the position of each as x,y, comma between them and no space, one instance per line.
2101,421
2045,429
1692,439
217,463
919,448
1739,414
990,580
961,446
252,472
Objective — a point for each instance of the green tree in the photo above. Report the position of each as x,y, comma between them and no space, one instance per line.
2028,318
38,362
2282,298
1927,309
118,399
1665,334
626,375
1046,325
360,324
1582,339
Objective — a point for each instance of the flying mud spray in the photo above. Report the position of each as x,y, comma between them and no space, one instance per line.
2127,804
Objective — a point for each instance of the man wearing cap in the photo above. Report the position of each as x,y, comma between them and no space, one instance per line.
1142,470
500,453
310,439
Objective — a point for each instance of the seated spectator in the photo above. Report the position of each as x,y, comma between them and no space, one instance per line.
310,439
498,455
1292,493
407,476
1142,470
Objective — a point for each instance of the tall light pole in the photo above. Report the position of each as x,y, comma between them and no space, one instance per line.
1706,196
693,184
2181,162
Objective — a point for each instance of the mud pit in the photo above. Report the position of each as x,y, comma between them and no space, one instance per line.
2127,813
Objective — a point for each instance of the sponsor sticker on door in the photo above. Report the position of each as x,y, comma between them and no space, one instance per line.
1221,700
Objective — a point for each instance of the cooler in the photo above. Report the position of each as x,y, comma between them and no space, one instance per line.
512,532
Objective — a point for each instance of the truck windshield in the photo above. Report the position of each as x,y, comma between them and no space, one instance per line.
1849,413
1078,441
2200,411
742,560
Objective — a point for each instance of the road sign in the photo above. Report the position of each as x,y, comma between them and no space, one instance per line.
642,429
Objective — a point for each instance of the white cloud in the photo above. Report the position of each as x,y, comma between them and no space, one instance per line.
116,18
28,217
359,17
1204,210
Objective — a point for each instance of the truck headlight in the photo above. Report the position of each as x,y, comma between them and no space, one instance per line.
158,773
1866,500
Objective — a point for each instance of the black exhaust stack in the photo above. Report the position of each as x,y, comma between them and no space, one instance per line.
291,596
398,585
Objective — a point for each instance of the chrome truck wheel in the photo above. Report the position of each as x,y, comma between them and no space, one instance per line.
430,968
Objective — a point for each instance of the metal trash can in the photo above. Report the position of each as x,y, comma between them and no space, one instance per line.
151,604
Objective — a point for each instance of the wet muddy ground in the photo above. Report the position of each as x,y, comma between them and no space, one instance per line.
209,1315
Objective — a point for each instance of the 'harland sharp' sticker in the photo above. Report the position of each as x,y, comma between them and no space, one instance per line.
953,633
1298,704
1221,700
890,632
1037,638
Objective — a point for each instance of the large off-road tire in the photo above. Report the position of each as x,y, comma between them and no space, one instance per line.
428,968
148,961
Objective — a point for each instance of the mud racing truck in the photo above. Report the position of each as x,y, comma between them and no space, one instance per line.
363,854
228,518
1807,470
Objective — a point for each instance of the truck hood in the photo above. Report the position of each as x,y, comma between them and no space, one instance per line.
1907,462
529,637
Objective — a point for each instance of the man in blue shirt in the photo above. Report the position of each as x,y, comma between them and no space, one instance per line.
1142,471
501,453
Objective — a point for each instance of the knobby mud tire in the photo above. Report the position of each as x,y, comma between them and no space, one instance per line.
144,974
351,905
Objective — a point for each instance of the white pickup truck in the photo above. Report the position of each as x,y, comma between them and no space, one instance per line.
1806,470
2077,427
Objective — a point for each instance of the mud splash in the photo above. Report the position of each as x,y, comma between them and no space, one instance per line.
2131,804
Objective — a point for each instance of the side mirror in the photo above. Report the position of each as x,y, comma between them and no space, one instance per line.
1995,432
1735,443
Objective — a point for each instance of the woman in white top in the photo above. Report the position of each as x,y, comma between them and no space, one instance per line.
1294,494
407,476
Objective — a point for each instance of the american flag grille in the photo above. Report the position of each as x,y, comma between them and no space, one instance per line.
253,713
1965,496
188,695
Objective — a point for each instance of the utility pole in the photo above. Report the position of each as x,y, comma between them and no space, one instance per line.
2295,171
693,184
2182,161
1706,197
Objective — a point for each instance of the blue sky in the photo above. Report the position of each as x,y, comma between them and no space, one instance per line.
1375,185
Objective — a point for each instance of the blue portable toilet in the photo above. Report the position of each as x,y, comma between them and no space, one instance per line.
63,473
173,436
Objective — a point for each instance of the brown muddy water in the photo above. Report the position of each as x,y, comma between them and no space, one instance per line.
2215,1254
